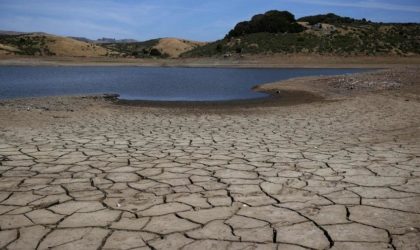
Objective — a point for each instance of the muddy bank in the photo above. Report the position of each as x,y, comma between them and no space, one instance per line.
342,86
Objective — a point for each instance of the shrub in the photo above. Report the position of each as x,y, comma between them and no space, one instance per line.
272,22
155,52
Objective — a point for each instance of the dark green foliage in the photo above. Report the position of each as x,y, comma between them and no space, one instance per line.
219,47
27,45
364,40
136,49
155,52
273,32
272,22
331,18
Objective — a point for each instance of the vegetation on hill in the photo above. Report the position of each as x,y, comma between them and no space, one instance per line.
323,34
136,49
24,45
272,22
48,45
35,44
161,48
331,18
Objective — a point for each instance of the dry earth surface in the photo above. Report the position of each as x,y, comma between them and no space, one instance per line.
87,173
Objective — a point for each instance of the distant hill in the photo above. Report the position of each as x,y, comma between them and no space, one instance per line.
8,32
113,40
82,39
41,44
103,40
162,47
329,34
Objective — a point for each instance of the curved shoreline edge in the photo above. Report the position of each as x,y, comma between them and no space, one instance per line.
310,89
293,91
343,86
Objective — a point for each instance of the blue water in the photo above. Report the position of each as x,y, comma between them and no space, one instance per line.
144,83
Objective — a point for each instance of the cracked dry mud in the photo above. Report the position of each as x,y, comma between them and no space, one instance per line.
340,175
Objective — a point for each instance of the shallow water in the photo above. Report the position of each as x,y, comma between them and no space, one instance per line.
146,83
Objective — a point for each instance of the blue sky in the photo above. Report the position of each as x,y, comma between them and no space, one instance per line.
191,19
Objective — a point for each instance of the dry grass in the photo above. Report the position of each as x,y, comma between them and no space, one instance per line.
63,46
7,50
47,45
175,47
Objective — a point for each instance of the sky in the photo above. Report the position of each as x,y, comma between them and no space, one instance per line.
190,19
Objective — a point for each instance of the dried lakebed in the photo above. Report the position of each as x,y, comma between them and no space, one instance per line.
89,174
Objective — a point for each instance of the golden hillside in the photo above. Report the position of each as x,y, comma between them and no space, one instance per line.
174,47
48,45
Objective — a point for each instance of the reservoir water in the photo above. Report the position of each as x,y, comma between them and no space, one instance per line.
146,83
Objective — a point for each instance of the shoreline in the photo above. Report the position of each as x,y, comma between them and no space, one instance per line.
272,100
294,91
344,86
248,61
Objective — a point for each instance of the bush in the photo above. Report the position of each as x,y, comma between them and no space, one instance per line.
155,52
272,22
331,18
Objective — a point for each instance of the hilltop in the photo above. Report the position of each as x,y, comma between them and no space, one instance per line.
103,40
278,32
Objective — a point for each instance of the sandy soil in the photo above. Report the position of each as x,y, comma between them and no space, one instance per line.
341,172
